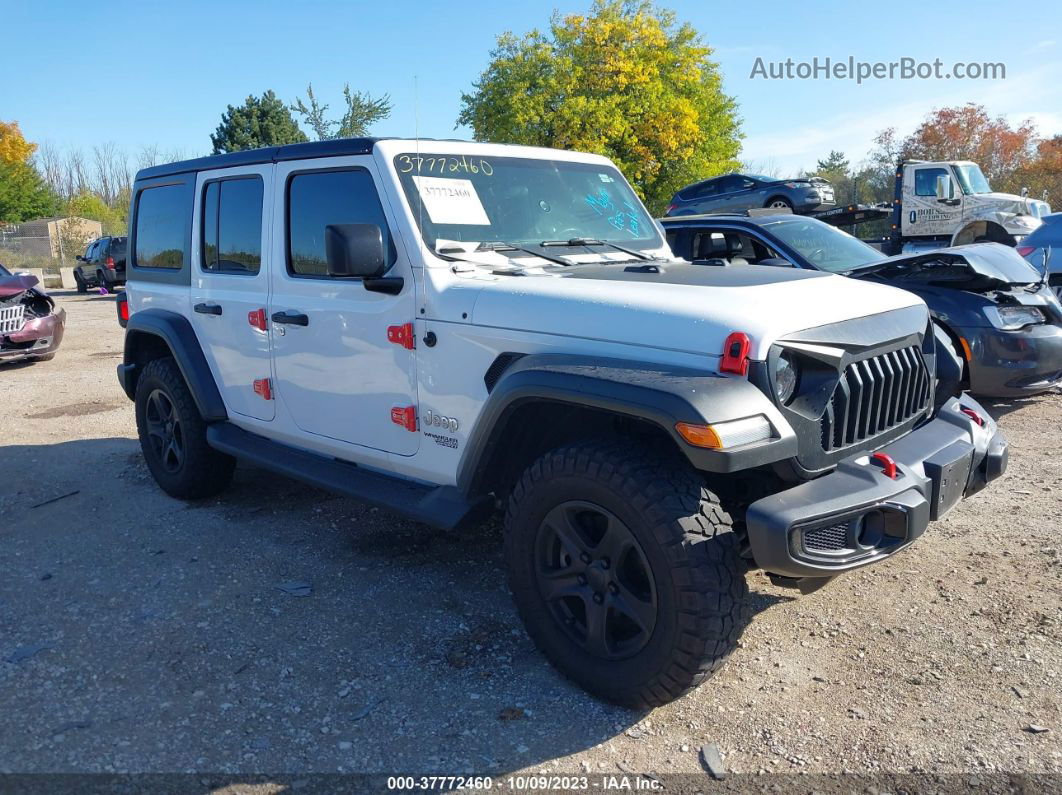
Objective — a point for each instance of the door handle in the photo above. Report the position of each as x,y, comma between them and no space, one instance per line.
208,309
294,318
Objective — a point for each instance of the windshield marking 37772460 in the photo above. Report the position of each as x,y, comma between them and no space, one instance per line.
524,201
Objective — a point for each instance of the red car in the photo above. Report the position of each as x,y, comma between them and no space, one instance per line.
31,326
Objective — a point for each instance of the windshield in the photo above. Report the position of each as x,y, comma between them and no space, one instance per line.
824,246
522,200
972,180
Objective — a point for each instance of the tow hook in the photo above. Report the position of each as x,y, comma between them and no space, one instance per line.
888,466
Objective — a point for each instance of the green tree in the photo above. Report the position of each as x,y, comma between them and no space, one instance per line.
264,121
834,167
24,194
362,111
626,81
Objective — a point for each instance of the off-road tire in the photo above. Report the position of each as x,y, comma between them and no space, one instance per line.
203,472
82,287
688,540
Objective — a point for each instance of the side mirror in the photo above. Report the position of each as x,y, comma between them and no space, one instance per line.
945,188
79,258
355,250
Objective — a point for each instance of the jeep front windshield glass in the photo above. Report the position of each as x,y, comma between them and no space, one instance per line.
972,179
824,246
523,201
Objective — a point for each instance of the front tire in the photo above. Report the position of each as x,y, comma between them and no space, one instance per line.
625,570
80,282
173,435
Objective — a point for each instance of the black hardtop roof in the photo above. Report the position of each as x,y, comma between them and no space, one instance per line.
275,154
270,154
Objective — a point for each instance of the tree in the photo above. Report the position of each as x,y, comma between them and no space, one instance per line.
833,167
259,122
626,81
362,112
14,148
24,194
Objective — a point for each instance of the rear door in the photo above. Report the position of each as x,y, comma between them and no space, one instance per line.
337,371
230,284
733,195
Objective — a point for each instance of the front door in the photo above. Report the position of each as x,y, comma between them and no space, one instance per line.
337,371
230,284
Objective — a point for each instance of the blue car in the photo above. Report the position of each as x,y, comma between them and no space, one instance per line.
734,192
1045,245
1002,319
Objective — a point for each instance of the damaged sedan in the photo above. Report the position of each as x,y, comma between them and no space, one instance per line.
31,325
998,312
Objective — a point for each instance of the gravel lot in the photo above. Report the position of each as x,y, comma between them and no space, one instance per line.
142,634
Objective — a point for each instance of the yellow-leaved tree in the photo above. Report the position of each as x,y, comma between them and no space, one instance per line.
626,81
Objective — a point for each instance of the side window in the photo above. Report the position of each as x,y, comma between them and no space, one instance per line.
161,227
926,180
232,226
706,189
318,199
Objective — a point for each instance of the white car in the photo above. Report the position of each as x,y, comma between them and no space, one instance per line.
440,328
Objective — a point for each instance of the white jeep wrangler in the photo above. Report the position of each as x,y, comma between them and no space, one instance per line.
439,327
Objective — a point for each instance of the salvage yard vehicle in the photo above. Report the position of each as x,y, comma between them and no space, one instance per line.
440,327
1043,250
102,265
31,325
999,316
747,191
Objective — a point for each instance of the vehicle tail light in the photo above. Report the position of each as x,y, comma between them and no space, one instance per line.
1025,250
670,209
110,262
736,354
123,310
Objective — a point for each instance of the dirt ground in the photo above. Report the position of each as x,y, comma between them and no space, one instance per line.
143,634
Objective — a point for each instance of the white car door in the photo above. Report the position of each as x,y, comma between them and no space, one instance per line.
230,283
342,366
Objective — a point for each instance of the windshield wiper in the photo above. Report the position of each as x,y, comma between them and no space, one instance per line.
589,241
500,245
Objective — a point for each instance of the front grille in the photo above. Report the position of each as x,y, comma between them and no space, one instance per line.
827,539
12,318
874,395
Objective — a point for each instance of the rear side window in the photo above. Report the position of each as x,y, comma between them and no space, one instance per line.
161,227
926,181
232,226
318,199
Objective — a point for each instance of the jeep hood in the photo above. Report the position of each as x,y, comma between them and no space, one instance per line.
978,266
685,307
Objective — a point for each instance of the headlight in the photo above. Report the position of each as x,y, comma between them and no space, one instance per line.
1010,318
785,378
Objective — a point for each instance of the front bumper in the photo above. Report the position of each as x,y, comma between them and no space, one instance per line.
857,515
1014,363
38,337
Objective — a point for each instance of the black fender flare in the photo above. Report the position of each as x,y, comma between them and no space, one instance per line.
660,394
178,335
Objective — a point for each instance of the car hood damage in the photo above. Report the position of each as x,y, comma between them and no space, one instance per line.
979,267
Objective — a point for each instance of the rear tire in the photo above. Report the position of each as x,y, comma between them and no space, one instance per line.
643,626
173,435
779,203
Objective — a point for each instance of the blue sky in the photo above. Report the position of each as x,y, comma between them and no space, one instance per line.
136,73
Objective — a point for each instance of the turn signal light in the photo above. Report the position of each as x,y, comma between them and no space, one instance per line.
730,434
699,435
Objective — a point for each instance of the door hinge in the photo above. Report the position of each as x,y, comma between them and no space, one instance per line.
264,387
257,318
402,335
406,416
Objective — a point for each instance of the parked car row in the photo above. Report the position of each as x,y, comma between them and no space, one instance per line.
1001,318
